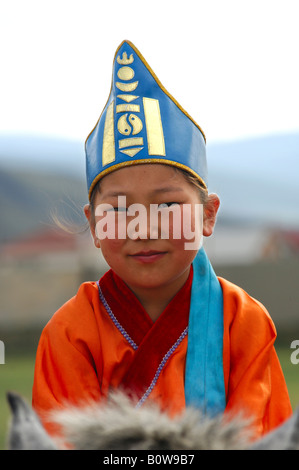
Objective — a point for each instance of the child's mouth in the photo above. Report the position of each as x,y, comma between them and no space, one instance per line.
148,256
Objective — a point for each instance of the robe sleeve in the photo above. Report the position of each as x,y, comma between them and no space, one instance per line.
65,369
255,383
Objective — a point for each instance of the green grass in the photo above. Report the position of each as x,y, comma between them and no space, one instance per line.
291,374
17,375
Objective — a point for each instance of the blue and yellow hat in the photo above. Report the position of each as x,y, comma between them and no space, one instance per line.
142,123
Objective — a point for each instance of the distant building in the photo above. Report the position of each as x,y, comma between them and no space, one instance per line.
282,244
239,244
39,243
246,245
53,248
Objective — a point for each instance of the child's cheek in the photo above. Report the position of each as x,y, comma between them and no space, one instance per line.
105,226
192,226
185,221
112,245
112,252
111,226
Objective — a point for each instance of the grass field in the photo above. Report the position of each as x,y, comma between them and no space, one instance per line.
17,374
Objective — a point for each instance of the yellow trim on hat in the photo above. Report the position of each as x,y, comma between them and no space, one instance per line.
118,166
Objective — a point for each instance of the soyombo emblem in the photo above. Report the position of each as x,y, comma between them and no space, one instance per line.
129,124
125,60
135,113
142,123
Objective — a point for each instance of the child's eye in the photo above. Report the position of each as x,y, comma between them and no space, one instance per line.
165,205
118,209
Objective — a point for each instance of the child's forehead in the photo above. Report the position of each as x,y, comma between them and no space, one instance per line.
147,179
149,173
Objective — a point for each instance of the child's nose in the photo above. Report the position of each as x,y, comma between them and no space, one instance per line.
145,227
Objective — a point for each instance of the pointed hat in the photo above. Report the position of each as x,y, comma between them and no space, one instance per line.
142,123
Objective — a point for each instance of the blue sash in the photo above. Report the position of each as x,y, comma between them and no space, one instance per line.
204,378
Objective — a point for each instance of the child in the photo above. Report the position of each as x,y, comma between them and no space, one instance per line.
159,324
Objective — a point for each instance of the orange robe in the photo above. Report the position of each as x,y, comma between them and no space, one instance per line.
96,343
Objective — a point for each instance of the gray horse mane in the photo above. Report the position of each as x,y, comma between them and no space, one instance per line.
118,424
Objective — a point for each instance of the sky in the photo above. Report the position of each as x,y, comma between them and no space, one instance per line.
233,64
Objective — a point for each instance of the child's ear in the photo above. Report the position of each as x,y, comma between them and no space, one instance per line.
210,214
90,218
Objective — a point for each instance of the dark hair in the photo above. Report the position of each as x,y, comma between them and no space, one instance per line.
203,192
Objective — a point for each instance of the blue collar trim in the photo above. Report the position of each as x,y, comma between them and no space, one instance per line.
204,378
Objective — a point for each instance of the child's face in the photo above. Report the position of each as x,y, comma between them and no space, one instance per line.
149,261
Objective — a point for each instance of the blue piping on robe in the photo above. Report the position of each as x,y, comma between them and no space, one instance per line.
204,377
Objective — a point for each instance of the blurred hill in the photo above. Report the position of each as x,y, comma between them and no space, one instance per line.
30,198
39,176
257,179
